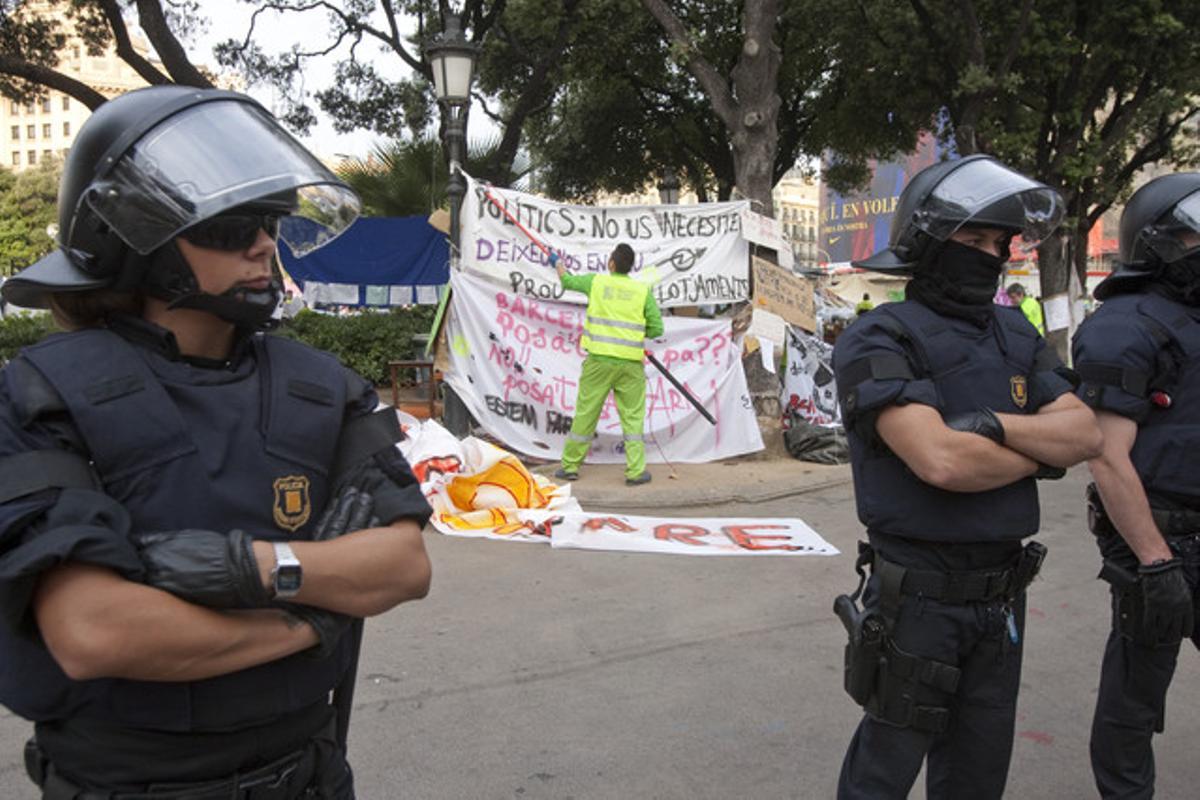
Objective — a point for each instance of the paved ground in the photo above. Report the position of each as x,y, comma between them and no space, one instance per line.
535,673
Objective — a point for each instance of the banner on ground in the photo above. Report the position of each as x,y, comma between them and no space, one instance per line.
691,254
809,386
481,491
515,362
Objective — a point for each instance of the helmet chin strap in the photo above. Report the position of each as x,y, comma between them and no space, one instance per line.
171,279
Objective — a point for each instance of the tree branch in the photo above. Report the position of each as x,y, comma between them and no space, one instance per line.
706,75
116,23
45,76
174,57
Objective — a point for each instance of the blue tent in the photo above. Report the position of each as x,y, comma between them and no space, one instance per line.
378,260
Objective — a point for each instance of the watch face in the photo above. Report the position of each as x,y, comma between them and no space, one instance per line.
287,579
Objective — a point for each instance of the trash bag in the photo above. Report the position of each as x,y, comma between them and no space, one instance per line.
816,443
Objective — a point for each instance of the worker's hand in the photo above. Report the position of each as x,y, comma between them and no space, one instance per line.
208,568
1167,612
329,626
983,422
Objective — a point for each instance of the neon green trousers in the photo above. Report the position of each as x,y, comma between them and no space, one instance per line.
627,381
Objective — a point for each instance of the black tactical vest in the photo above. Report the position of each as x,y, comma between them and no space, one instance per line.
991,370
253,454
1166,453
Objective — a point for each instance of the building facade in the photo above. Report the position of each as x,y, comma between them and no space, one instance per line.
33,132
797,204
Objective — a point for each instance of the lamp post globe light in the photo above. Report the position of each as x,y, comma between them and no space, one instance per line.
668,188
452,60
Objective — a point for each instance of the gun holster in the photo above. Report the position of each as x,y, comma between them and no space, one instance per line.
881,677
864,650
866,632
1127,601
1098,521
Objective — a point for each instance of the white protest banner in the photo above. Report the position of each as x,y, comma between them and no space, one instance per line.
704,536
515,362
690,254
808,384
699,536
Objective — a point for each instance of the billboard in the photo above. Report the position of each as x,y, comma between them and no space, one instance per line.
856,225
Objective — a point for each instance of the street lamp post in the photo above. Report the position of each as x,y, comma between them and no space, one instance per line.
452,60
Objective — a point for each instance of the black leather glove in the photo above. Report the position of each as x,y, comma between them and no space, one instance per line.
1045,472
982,421
329,626
349,511
204,567
1166,601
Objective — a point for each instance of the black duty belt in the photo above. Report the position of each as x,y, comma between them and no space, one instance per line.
283,779
952,587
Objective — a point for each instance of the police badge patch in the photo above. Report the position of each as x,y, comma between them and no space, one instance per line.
1020,390
292,505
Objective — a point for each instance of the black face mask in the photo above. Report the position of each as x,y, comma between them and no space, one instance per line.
1180,279
958,281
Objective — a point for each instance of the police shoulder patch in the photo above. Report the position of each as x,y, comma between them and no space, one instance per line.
292,504
1019,388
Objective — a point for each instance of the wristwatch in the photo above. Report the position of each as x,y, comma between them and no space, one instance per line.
287,575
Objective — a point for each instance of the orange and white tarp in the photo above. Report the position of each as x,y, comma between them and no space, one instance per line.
480,490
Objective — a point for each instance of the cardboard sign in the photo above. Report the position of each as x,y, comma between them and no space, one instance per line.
779,291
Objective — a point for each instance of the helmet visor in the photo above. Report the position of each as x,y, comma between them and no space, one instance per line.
985,192
1178,234
208,159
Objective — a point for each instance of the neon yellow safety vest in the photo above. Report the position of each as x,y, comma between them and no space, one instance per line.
616,317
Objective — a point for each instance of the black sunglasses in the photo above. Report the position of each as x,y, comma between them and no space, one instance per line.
232,232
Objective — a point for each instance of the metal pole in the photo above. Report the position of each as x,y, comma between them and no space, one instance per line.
454,412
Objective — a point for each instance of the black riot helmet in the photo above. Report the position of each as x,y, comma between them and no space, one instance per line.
1150,227
977,191
151,164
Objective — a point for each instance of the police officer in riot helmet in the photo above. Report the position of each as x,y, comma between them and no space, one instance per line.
953,407
192,514
1137,359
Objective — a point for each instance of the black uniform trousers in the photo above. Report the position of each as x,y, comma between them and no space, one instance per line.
1134,678
970,758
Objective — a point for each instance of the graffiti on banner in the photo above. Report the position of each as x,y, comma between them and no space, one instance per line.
710,536
690,254
515,362
706,536
809,387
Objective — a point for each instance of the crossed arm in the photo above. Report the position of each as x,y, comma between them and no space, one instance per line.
97,624
1062,433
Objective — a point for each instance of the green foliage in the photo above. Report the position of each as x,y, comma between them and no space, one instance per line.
364,342
400,178
1080,94
22,330
28,204
408,178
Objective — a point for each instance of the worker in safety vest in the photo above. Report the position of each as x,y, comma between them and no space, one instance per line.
1029,306
621,315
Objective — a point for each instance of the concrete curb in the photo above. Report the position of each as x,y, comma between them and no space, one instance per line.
602,486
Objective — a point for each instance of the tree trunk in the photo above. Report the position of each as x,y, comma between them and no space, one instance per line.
1054,264
750,110
756,83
